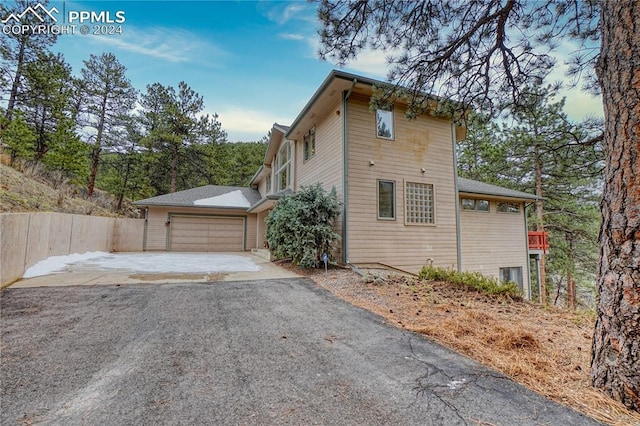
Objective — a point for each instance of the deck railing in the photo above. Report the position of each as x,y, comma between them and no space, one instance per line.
538,240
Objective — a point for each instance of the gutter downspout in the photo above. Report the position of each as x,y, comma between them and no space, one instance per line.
345,172
457,196
526,233
146,226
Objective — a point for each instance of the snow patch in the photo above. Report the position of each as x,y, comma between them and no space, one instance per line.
205,263
230,199
55,264
456,384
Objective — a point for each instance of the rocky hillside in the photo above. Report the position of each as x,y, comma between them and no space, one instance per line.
20,192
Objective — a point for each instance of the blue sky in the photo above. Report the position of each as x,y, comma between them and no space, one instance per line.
254,62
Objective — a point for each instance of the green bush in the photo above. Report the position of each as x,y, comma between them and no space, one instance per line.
300,226
474,280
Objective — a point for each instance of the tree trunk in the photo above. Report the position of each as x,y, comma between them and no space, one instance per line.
97,149
616,344
95,160
174,169
540,224
16,79
571,280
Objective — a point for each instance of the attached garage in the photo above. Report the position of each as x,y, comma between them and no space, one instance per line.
204,219
206,234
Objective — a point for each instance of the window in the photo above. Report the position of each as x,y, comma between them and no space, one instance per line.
384,123
477,205
283,167
386,199
508,207
512,274
419,204
310,144
269,182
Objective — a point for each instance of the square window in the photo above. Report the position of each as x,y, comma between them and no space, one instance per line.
482,205
386,199
511,274
468,204
419,205
384,124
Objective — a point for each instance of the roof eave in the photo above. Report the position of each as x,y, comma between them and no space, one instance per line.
528,198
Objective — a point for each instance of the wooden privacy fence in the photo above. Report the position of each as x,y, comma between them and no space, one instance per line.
27,238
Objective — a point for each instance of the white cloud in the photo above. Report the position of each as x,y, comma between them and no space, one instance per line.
579,104
169,44
242,124
291,36
371,62
299,10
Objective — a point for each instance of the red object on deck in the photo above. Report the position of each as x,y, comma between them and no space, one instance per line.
538,240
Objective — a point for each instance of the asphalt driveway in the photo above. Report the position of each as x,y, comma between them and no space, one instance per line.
251,352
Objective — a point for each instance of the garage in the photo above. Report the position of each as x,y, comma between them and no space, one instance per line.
206,234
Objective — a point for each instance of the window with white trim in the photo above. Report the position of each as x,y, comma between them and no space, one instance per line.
386,199
419,205
508,207
384,123
309,144
283,167
269,182
511,275
473,204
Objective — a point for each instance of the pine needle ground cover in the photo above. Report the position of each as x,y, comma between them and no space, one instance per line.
545,349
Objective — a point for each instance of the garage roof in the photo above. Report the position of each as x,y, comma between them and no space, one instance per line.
469,186
212,196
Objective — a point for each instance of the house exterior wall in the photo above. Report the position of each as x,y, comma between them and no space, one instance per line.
326,166
157,229
261,228
425,142
493,240
262,183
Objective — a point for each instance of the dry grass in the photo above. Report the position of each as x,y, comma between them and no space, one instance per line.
31,190
545,349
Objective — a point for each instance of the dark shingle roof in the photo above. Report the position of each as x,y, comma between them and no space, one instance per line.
186,198
476,187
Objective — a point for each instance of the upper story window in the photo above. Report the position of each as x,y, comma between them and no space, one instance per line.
384,123
473,204
386,199
283,167
419,204
508,207
269,182
310,144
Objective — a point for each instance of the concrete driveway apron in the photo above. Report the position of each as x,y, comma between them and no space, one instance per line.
92,273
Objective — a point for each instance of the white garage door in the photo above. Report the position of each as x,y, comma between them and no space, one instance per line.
208,234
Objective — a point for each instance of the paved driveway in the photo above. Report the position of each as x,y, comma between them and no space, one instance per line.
254,352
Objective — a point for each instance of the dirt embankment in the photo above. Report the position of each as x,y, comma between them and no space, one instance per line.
33,192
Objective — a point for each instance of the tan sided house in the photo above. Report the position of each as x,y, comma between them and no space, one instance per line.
403,204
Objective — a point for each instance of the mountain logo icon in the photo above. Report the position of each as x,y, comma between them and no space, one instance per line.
38,11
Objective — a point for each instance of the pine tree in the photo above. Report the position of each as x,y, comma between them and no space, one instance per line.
107,100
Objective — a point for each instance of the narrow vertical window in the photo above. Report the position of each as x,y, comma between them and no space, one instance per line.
386,199
384,123
310,144
283,167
